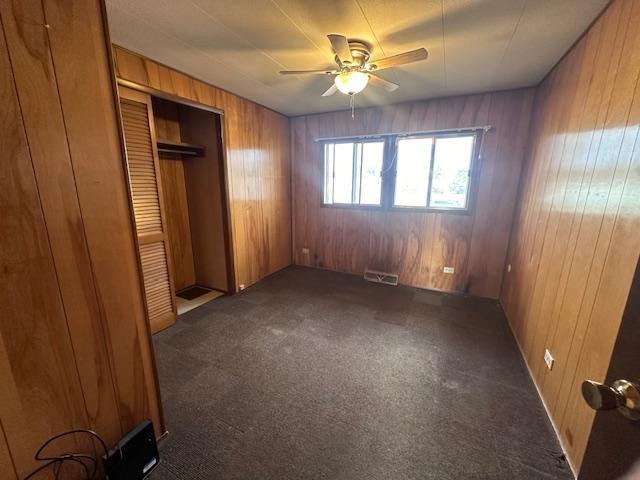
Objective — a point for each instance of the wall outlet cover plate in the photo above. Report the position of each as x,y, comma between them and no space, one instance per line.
548,359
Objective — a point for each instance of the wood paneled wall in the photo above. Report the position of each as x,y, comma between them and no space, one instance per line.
177,211
203,177
256,142
174,190
75,347
415,245
576,237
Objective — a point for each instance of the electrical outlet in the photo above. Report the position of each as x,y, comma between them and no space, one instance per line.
508,268
548,359
448,270
305,251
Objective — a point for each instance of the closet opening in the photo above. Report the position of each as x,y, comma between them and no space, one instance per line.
177,181
189,143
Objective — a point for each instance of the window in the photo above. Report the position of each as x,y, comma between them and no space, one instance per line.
434,172
353,172
413,160
451,172
430,172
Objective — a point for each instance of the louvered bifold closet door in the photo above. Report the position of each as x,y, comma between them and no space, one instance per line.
146,195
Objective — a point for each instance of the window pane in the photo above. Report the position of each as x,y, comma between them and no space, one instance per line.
450,183
343,173
412,172
371,181
352,172
328,172
356,168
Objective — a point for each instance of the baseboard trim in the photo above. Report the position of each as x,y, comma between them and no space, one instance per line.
544,404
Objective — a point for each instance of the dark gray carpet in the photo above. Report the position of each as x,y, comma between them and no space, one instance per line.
313,374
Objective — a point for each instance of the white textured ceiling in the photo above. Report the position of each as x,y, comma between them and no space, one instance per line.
240,45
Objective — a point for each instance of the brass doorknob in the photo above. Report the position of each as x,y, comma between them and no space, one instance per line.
622,394
599,396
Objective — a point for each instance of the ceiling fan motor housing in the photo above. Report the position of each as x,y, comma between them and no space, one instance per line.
359,52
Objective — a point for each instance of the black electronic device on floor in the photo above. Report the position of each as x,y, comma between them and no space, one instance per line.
135,456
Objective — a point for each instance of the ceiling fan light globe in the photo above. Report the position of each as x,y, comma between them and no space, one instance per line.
351,83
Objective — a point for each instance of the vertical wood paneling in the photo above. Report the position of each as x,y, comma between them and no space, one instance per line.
6,463
74,344
78,38
35,402
33,68
176,208
416,245
177,215
576,237
204,189
257,167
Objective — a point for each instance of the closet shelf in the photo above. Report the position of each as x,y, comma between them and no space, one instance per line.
188,149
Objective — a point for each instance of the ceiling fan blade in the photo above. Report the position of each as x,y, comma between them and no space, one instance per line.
340,45
400,59
381,82
332,89
306,72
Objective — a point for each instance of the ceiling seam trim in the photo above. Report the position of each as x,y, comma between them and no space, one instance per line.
373,33
202,52
297,26
238,36
444,49
513,34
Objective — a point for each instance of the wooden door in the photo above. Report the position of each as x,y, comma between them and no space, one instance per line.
148,207
613,446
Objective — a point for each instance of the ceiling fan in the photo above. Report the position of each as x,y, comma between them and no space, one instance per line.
355,71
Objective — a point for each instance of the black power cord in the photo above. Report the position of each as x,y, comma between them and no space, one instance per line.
57,461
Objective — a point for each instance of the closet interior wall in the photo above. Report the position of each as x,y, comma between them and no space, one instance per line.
167,122
194,196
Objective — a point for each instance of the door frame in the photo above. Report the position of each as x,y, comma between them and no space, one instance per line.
224,169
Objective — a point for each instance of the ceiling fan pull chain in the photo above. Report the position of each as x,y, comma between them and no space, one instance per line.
352,104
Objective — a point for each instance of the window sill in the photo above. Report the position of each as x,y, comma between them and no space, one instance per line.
380,208
351,206
453,211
